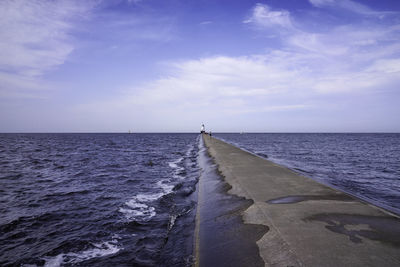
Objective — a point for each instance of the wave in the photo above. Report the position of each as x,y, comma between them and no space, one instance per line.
178,170
97,250
138,208
167,188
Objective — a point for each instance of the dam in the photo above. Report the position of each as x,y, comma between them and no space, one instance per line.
264,214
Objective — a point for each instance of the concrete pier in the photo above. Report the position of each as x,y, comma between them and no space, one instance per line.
305,223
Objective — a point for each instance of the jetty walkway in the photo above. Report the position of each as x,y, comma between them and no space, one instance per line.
304,222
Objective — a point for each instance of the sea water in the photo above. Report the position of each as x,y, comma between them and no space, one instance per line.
97,199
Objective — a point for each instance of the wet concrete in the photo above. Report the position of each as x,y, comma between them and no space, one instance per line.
296,199
358,227
309,224
222,237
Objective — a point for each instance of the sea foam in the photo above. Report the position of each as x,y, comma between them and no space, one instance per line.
98,250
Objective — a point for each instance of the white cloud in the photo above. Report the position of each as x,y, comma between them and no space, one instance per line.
320,3
349,41
134,1
214,78
262,15
347,5
207,22
346,58
34,38
386,66
210,87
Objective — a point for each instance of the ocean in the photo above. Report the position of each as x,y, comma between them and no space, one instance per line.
129,199
97,199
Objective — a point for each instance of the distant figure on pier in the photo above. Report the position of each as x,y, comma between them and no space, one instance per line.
202,130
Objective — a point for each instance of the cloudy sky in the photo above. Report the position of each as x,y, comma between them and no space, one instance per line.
170,65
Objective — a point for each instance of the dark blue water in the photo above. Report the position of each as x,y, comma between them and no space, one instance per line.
365,165
97,199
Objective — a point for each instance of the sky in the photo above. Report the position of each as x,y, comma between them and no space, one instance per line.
171,65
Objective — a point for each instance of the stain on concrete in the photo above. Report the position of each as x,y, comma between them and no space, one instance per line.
301,198
384,229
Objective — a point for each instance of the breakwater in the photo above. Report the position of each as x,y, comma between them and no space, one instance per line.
362,164
308,224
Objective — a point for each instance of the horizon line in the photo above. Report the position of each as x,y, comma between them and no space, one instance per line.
222,132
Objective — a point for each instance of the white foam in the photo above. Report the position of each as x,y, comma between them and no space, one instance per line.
171,223
177,169
137,210
99,250
142,214
134,205
148,197
167,188
189,151
138,207
174,164
116,236
54,261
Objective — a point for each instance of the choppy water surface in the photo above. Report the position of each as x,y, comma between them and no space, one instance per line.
97,199
365,165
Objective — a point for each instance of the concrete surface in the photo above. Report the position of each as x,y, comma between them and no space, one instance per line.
309,224
221,237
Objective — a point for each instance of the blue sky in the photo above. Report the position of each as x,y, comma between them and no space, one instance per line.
170,65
